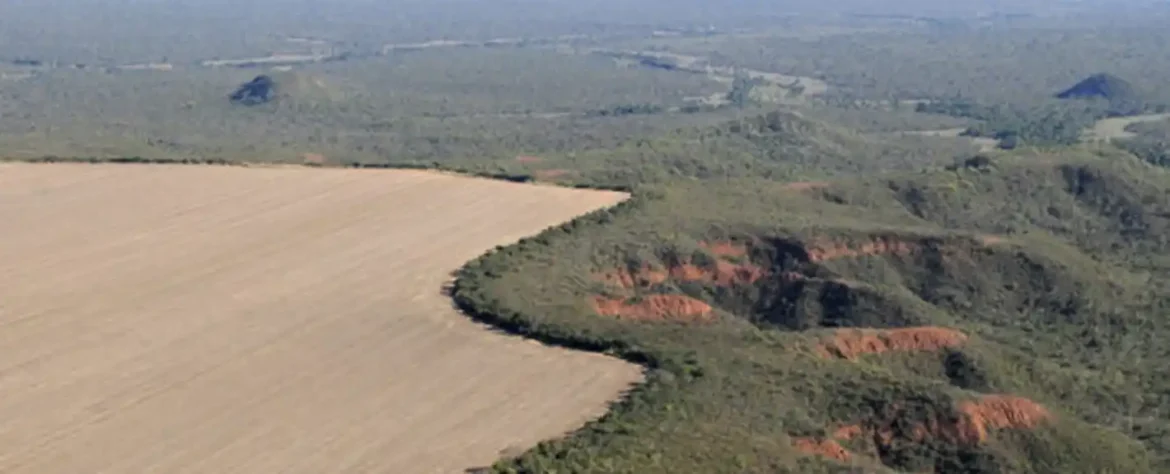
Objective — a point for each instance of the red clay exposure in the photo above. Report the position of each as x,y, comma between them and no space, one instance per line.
672,308
975,421
973,425
997,412
822,447
852,343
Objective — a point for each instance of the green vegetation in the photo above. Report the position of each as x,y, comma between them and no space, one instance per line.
1064,310
1154,151
1055,124
1029,284
778,145
1152,141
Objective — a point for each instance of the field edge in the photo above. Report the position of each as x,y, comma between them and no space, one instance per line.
467,296
474,301
494,174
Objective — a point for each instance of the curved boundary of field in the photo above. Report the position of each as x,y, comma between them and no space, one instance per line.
479,306
467,300
434,167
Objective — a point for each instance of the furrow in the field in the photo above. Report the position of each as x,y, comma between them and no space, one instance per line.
205,294
264,237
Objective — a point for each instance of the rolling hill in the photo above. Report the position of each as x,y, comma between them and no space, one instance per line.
1102,85
995,315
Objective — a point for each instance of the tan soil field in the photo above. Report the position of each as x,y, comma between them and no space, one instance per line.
192,319
1115,127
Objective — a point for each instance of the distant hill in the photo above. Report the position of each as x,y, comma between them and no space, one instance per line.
262,89
1103,86
282,85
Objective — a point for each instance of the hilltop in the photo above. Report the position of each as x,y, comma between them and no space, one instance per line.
1103,86
280,86
1122,97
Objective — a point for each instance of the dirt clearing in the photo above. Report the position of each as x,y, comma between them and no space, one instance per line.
190,319
1115,127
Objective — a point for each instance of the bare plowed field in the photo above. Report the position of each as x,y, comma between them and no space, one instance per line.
187,319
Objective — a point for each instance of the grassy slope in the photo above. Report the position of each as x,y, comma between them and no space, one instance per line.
1058,307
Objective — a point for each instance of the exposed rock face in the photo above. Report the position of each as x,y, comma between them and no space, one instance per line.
260,90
